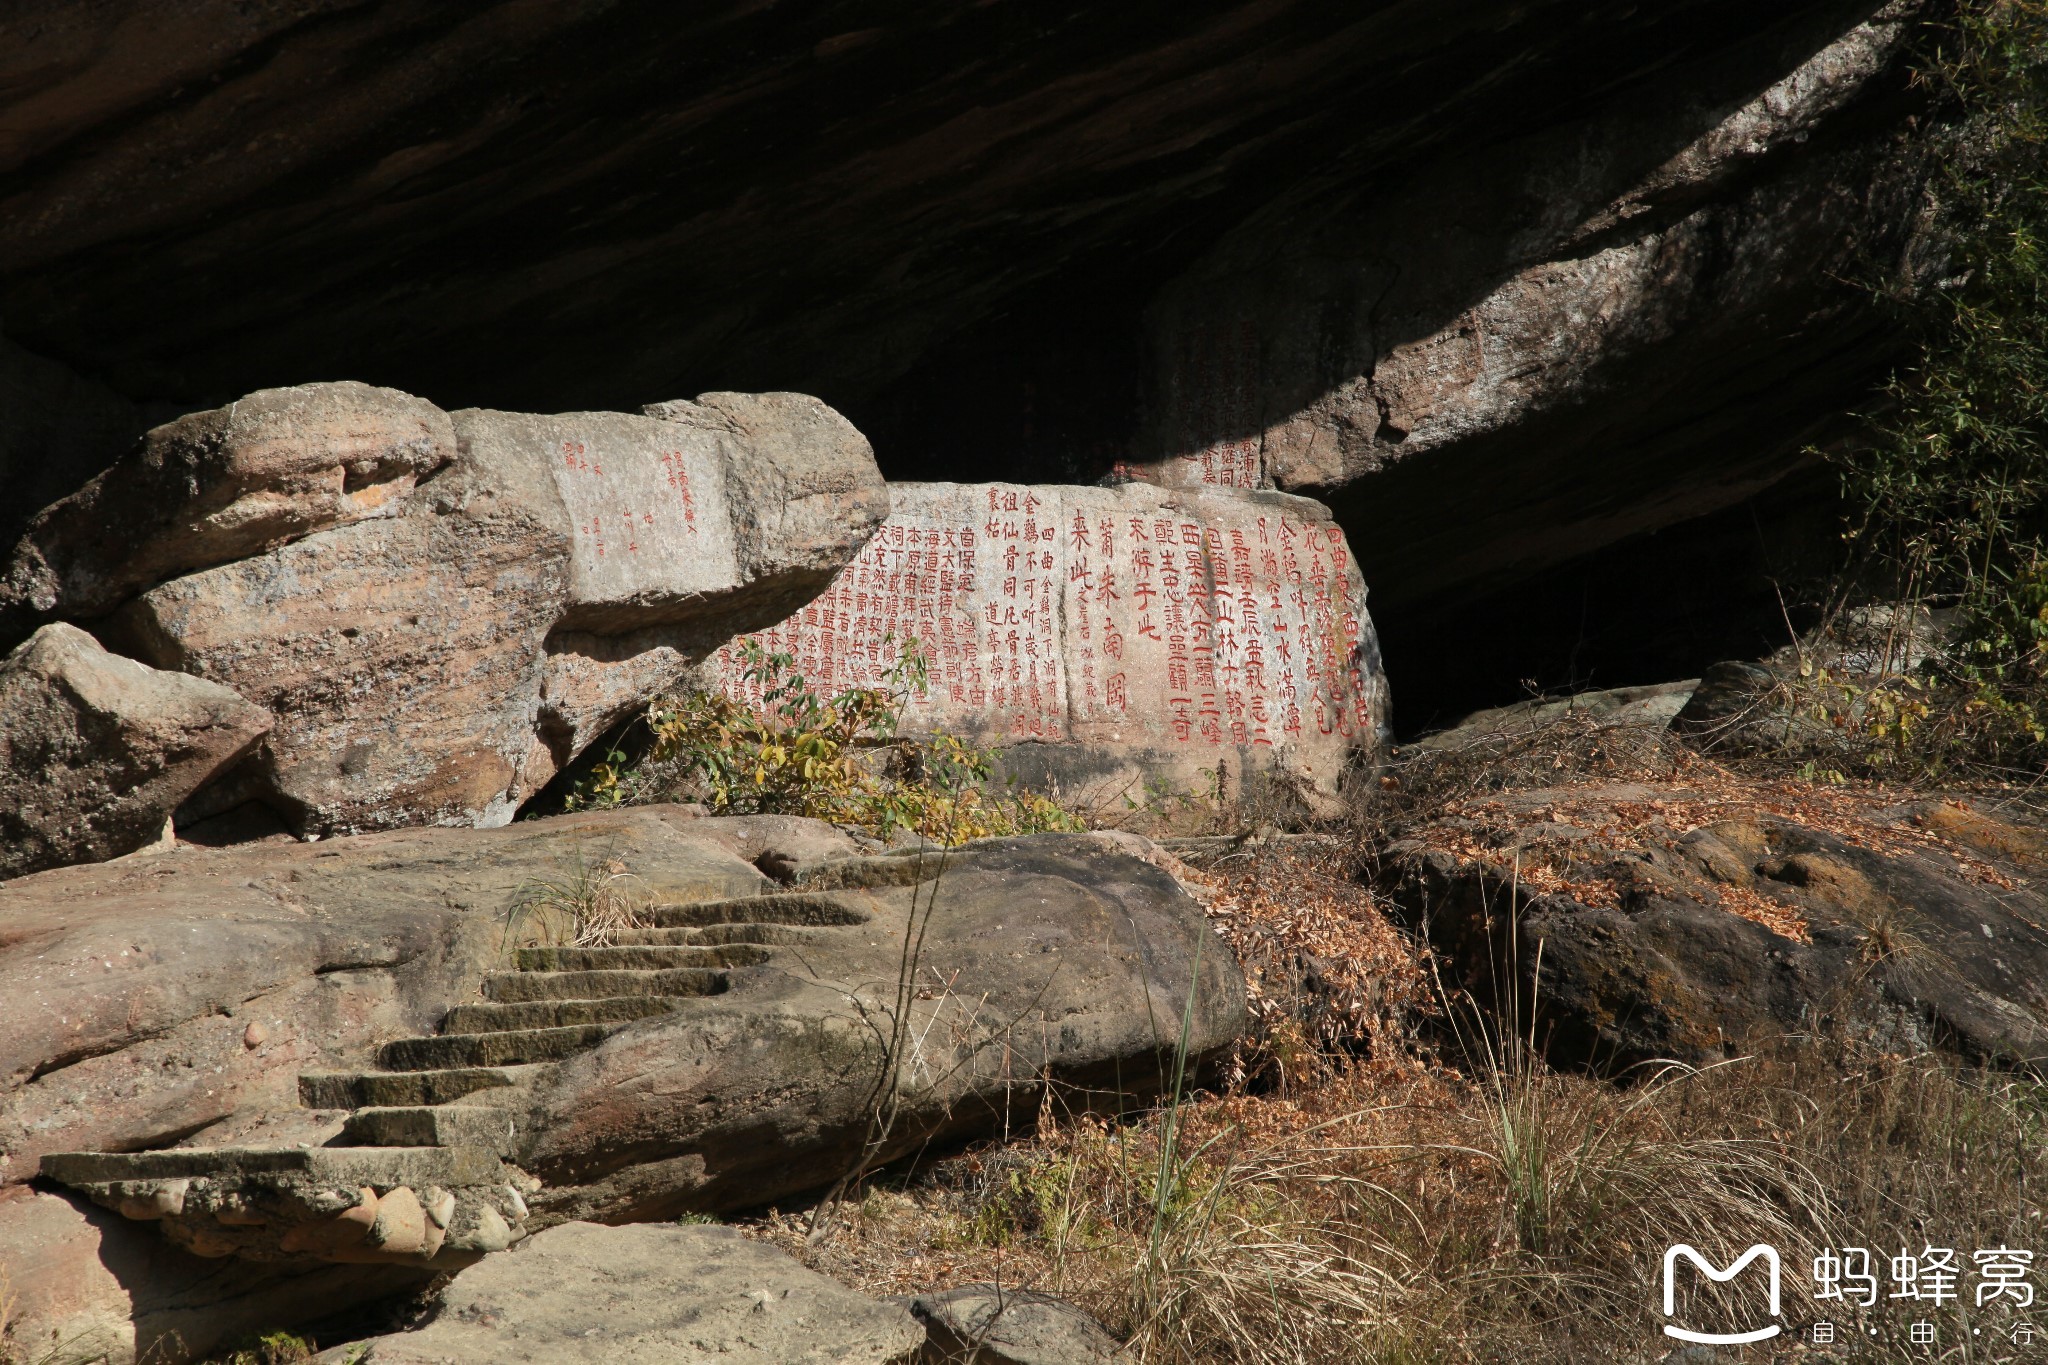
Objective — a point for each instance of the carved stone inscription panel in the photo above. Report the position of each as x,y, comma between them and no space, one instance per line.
1169,625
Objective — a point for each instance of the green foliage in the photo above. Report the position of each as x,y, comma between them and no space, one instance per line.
1951,491
1914,726
839,759
272,1348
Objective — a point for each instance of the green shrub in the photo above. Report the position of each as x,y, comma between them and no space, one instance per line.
839,759
1949,489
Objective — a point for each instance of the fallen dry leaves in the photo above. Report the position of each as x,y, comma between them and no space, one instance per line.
1301,920
1554,840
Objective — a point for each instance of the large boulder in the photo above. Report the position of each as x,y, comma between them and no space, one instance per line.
96,750
1635,923
215,486
404,659
1051,965
436,653
1111,637
646,1296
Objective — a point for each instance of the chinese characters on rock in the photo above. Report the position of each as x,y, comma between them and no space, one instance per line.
1214,397
623,523
1095,615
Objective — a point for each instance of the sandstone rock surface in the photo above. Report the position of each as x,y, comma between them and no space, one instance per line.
1679,924
985,1324
647,1295
131,987
92,1288
1055,962
216,486
1471,313
183,1027
403,658
1110,635
96,751
800,481
438,653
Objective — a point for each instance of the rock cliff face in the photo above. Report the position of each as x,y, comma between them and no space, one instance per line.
1367,246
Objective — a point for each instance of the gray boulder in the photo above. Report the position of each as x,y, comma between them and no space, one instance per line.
1746,708
646,1295
1650,707
986,1324
96,751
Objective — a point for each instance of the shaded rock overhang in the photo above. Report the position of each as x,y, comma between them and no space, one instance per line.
948,221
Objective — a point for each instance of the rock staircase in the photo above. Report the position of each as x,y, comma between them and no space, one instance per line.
422,1171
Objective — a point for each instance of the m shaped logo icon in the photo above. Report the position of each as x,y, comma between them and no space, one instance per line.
1760,1252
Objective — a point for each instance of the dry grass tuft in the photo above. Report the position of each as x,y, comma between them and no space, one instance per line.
587,906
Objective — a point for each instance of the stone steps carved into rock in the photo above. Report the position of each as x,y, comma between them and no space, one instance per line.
546,1014
491,1049
512,987
716,936
642,958
420,1171
358,1089
790,907
433,1125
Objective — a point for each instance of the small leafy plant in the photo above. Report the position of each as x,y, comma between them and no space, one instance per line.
840,759
271,1348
